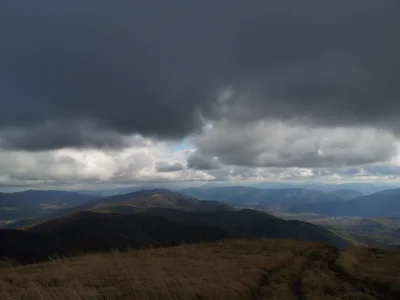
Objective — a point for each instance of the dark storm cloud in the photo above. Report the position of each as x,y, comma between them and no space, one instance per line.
151,67
164,166
199,161
52,135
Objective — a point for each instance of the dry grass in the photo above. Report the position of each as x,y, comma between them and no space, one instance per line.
236,269
375,267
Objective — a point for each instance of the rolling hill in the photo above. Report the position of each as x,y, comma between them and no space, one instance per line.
157,198
96,232
89,231
383,203
133,202
297,200
248,223
381,232
266,199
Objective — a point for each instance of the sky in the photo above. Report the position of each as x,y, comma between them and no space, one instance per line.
96,93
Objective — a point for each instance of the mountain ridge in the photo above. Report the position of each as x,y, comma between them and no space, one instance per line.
132,202
379,204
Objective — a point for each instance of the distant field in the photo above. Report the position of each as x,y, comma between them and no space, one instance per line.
4,223
33,204
7,208
235,269
10,222
377,231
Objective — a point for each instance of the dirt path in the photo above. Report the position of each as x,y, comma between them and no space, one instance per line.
315,274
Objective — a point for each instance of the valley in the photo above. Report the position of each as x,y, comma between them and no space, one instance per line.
372,219
35,204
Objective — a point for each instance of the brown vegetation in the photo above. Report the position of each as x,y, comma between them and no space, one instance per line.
234,269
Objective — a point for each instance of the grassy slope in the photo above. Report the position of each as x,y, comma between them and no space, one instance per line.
234,269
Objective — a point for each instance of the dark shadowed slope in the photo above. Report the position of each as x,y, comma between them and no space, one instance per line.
93,232
90,231
27,247
252,223
383,203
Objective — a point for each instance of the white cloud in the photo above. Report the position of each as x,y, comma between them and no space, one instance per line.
135,163
278,144
257,152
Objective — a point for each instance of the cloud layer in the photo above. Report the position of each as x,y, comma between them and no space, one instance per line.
143,161
147,161
156,68
94,91
277,144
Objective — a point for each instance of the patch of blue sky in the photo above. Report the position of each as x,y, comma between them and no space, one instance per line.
183,145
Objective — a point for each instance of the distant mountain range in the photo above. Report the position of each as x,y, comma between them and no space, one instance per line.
131,203
34,210
346,194
362,188
25,208
155,198
268,199
148,218
92,232
66,223
30,204
383,203
296,200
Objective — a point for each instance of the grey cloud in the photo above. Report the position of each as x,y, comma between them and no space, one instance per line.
379,169
198,161
164,166
58,135
240,173
26,168
384,169
235,173
276,144
155,67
